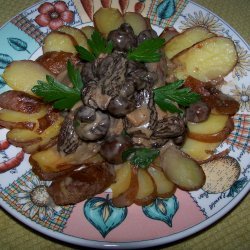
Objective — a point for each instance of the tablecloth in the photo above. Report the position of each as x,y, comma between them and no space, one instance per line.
231,232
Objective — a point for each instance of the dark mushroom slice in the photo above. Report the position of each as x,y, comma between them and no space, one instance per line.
145,35
197,112
123,38
113,147
119,106
91,124
68,140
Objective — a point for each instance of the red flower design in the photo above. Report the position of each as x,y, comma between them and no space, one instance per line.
54,15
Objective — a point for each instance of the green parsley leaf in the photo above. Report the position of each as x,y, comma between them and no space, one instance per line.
141,157
97,44
62,96
167,96
147,51
85,54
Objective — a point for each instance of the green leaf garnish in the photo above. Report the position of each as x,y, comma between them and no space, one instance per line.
147,51
141,157
171,94
97,44
62,96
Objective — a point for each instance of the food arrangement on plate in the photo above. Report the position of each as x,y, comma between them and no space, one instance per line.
117,106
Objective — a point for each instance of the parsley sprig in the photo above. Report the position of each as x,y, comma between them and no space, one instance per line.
140,157
97,44
171,94
62,96
147,51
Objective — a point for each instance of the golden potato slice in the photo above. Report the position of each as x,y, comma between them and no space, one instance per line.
77,34
214,124
15,116
182,170
137,21
58,41
221,174
207,60
23,75
199,150
126,185
22,137
107,19
48,138
185,40
88,31
123,179
147,189
165,188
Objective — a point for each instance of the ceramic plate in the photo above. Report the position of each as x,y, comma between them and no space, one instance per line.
95,222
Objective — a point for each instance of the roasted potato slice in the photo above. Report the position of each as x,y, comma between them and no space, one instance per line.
185,40
23,75
182,170
88,31
214,137
207,60
125,188
20,101
137,21
165,188
14,119
56,61
214,124
147,190
199,150
59,41
78,35
107,19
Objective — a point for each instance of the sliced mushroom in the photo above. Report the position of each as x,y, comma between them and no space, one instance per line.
91,124
68,140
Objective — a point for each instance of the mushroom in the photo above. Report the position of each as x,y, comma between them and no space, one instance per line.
91,124
68,140
123,38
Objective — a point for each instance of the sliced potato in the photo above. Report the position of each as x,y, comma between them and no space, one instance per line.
207,60
23,75
221,174
182,170
127,196
185,40
15,116
168,33
123,179
78,35
214,124
50,160
20,101
56,61
215,137
199,150
22,137
88,31
107,19
58,41
137,21
165,188
147,189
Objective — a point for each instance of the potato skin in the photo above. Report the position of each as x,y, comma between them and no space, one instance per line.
56,61
20,101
